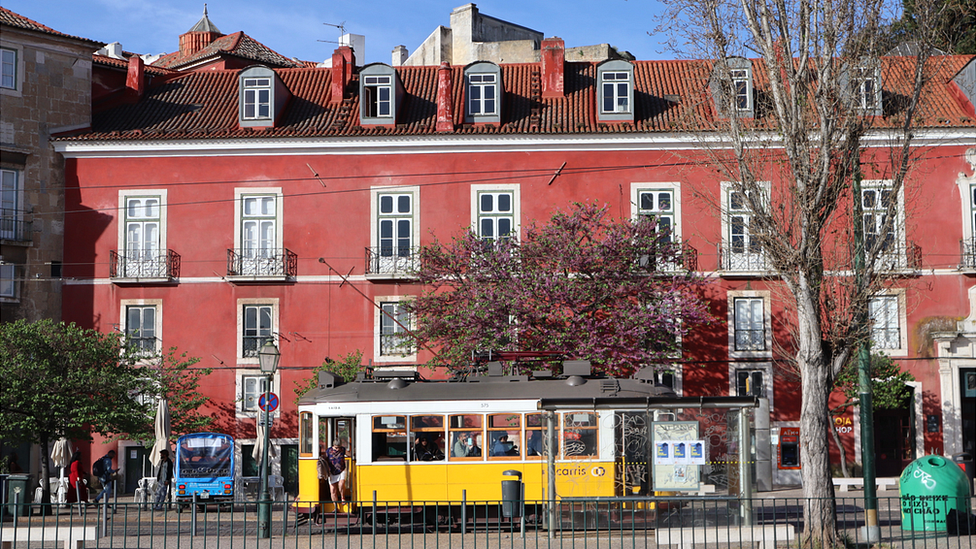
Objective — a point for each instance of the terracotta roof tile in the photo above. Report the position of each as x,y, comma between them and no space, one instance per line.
669,96
237,44
124,64
13,19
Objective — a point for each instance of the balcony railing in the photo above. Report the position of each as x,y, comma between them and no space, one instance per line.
968,247
395,344
262,262
750,340
899,258
13,227
143,265
742,260
687,259
394,261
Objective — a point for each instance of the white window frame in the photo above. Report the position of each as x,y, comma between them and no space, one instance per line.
741,88
766,368
476,215
900,315
251,97
749,260
967,193
619,84
240,194
887,259
255,301
123,237
765,295
637,190
478,103
9,288
17,67
156,304
378,323
396,262
241,376
866,88
374,87
12,204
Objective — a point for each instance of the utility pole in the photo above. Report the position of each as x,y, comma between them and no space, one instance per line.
870,532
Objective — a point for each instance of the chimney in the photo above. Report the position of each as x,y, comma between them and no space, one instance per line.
342,63
135,82
553,67
399,55
200,36
445,99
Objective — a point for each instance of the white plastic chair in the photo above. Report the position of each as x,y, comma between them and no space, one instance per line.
276,485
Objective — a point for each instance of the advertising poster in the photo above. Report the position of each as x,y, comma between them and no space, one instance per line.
669,438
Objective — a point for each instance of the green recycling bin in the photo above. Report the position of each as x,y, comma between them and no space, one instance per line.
930,488
17,492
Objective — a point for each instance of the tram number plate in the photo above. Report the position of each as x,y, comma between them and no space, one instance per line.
204,495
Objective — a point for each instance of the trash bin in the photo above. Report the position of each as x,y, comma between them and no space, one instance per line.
18,490
512,495
931,487
965,462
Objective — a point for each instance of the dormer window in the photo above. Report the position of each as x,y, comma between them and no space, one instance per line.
732,89
262,97
380,93
257,98
616,90
482,89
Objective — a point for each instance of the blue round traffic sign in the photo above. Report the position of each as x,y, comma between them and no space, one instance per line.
271,403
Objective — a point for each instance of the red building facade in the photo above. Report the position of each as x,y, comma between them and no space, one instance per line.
213,209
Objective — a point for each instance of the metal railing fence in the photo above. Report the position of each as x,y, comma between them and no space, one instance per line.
668,521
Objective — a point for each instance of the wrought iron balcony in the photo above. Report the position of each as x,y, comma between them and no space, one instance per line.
899,258
262,263
392,261
395,344
968,260
13,227
742,260
144,265
750,340
687,259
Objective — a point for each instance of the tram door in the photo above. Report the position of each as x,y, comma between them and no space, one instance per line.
343,428
631,453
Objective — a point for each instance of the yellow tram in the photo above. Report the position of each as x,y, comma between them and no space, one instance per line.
412,441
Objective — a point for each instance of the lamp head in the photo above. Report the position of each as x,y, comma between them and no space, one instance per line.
268,357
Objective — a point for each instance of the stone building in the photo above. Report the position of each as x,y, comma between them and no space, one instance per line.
45,90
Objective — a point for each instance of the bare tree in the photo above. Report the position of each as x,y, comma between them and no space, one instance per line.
792,150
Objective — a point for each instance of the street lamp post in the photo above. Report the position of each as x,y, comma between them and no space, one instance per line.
268,358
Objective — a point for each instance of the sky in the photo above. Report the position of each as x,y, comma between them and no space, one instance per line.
301,28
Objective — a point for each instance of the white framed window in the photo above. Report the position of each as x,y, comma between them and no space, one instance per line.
866,88
661,200
888,318
12,226
749,321
257,98
876,196
750,382
742,249
378,96
495,211
11,68
258,232
741,89
142,234
482,92
8,281
616,91
257,322
251,386
395,230
393,342
141,320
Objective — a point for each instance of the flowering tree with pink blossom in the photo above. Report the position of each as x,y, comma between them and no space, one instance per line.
582,286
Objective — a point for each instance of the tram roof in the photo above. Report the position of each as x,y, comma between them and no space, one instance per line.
405,389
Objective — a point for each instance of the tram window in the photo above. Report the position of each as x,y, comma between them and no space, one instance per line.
305,433
389,438
535,436
579,435
427,438
504,436
466,436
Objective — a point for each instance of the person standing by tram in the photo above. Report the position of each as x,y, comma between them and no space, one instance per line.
333,466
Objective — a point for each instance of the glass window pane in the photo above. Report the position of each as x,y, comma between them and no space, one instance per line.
386,204
504,202
504,226
487,203
664,201
403,203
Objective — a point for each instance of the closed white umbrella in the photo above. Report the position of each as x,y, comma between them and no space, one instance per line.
162,432
258,453
61,453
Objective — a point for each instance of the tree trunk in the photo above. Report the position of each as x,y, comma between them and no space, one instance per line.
819,509
45,474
